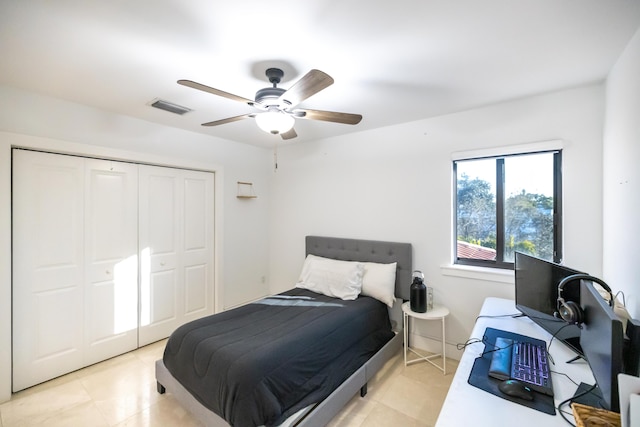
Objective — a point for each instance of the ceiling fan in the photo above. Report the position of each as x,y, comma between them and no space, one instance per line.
277,106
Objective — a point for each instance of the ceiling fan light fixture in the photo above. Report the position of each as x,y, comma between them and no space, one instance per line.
277,105
274,121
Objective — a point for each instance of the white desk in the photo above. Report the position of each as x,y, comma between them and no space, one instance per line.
468,405
438,312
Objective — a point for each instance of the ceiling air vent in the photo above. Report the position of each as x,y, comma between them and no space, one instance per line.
169,106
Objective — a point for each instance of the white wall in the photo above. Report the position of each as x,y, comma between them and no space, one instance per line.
30,120
396,184
621,181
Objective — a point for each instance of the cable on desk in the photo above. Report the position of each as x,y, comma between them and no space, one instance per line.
564,402
469,342
482,340
557,332
568,377
496,348
624,302
513,316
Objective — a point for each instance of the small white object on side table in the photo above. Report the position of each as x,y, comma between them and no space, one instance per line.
438,312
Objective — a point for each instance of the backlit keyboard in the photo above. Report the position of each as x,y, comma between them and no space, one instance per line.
522,361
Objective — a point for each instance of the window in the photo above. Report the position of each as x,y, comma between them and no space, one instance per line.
506,204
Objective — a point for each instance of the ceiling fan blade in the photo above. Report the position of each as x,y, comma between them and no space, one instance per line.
228,120
310,84
214,91
328,116
290,134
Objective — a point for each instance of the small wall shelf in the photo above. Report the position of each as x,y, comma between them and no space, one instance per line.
245,190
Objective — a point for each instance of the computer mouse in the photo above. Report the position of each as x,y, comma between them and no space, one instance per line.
516,388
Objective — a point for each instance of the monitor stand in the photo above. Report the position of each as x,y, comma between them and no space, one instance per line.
592,398
578,357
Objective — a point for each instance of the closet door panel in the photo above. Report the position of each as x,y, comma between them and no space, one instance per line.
198,245
163,303
47,266
195,293
161,213
159,224
111,239
195,212
176,241
56,316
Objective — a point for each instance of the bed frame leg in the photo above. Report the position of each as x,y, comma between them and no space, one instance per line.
160,388
363,390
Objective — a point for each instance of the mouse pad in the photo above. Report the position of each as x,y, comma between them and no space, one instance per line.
480,378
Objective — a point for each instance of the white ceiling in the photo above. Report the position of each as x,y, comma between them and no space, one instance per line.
392,61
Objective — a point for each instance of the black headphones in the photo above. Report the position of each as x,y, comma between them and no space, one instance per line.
570,311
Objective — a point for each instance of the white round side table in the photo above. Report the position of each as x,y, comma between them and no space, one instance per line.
438,312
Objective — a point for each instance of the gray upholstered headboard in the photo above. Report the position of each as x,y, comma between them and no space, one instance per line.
367,251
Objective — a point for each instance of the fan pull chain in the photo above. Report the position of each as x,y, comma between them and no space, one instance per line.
275,158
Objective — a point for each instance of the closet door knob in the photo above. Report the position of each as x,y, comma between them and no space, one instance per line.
162,264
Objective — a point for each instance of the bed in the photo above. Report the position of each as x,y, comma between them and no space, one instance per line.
274,375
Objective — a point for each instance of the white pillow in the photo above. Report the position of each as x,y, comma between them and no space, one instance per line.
379,281
331,277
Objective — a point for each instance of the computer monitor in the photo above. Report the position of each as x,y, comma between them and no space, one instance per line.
536,283
602,341
632,348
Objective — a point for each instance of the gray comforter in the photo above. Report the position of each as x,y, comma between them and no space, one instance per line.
258,364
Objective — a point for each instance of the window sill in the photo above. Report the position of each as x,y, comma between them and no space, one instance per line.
478,273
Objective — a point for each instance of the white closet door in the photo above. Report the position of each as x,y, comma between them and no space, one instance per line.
48,268
159,252
176,249
111,259
197,261
83,288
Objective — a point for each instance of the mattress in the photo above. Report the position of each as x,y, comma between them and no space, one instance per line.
259,363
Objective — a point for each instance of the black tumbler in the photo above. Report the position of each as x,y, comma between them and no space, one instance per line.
418,293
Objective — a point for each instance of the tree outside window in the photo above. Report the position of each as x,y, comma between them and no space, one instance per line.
507,204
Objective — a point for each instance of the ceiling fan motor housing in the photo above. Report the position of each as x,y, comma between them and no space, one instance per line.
269,96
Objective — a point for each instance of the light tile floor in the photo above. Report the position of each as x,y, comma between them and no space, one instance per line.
122,392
